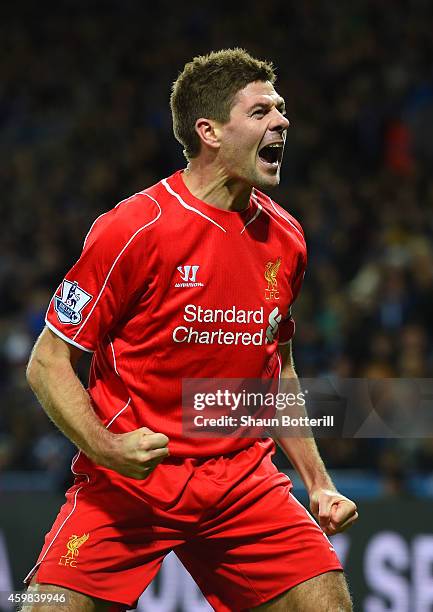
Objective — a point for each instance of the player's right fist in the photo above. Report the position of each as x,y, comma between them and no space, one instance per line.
136,453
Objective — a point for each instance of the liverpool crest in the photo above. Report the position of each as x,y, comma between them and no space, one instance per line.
271,271
73,545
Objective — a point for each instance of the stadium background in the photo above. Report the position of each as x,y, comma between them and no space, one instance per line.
84,122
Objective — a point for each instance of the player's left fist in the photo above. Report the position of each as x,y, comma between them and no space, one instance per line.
334,512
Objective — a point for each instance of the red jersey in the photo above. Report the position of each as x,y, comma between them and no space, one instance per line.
168,287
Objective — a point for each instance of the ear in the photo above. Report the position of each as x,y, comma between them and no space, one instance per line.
209,132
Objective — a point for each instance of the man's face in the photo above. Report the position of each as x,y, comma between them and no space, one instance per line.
252,142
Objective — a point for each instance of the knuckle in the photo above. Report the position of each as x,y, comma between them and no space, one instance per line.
145,445
161,439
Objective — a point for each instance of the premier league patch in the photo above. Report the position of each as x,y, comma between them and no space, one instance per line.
71,302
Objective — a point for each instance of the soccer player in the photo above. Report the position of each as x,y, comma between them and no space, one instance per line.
192,277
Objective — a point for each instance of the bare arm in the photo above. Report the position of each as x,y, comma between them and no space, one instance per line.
52,377
334,511
302,452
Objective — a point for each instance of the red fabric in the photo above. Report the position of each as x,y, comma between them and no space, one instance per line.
231,520
168,287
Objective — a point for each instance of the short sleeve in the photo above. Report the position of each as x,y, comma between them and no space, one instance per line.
109,276
287,325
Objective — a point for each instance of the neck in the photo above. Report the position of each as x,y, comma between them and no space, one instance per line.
210,183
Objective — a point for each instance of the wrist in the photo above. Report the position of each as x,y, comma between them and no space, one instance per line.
324,482
101,448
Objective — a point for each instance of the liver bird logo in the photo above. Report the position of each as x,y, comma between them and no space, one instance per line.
271,271
74,544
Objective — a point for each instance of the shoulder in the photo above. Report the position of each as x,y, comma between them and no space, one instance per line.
130,217
280,215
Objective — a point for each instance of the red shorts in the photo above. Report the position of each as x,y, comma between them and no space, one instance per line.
231,520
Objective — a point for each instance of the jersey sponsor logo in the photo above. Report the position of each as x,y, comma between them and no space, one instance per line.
188,274
256,333
271,271
71,302
73,544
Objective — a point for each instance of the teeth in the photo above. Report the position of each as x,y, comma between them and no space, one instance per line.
275,145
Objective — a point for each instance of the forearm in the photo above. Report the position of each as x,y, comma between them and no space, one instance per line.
67,403
305,458
301,450
52,377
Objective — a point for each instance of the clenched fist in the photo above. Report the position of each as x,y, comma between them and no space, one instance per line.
134,454
334,512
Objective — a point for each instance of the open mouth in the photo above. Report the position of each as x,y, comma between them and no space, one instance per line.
271,154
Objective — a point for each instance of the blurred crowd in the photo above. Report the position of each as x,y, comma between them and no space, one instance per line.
85,122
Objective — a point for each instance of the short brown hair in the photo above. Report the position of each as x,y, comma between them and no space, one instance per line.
207,87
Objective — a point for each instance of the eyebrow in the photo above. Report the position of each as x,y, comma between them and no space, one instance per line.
281,105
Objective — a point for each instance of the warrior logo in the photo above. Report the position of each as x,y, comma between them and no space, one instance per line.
188,274
271,271
73,545
71,302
